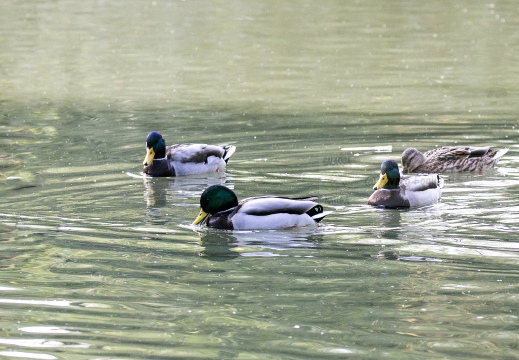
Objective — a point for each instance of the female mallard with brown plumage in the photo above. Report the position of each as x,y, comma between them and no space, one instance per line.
183,159
450,159
392,191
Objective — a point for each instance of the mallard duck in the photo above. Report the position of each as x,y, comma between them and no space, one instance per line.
220,209
391,191
450,159
183,159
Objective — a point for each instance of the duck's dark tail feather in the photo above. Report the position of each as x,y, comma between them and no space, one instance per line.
500,153
317,213
229,150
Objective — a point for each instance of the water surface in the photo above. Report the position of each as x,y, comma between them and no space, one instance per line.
99,263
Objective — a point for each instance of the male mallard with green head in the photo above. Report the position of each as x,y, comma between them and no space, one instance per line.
392,191
183,159
221,209
450,159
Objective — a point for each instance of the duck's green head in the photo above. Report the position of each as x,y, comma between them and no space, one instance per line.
389,176
214,199
155,147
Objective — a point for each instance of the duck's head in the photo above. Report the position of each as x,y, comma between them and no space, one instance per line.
155,148
411,159
214,199
389,176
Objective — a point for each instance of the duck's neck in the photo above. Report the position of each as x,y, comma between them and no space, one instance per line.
160,149
393,179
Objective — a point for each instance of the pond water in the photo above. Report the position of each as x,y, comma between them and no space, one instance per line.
99,263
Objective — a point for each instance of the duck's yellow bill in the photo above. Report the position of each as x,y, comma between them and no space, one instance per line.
150,154
382,181
201,217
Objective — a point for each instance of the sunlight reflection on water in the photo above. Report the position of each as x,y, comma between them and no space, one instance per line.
58,303
27,355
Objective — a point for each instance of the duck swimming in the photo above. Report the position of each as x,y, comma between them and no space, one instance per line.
450,159
183,159
221,209
392,191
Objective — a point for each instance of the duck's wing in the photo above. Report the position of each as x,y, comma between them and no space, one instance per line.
198,153
449,153
476,152
271,212
267,205
422,190
421,182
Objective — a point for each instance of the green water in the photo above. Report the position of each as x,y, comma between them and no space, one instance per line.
97,263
